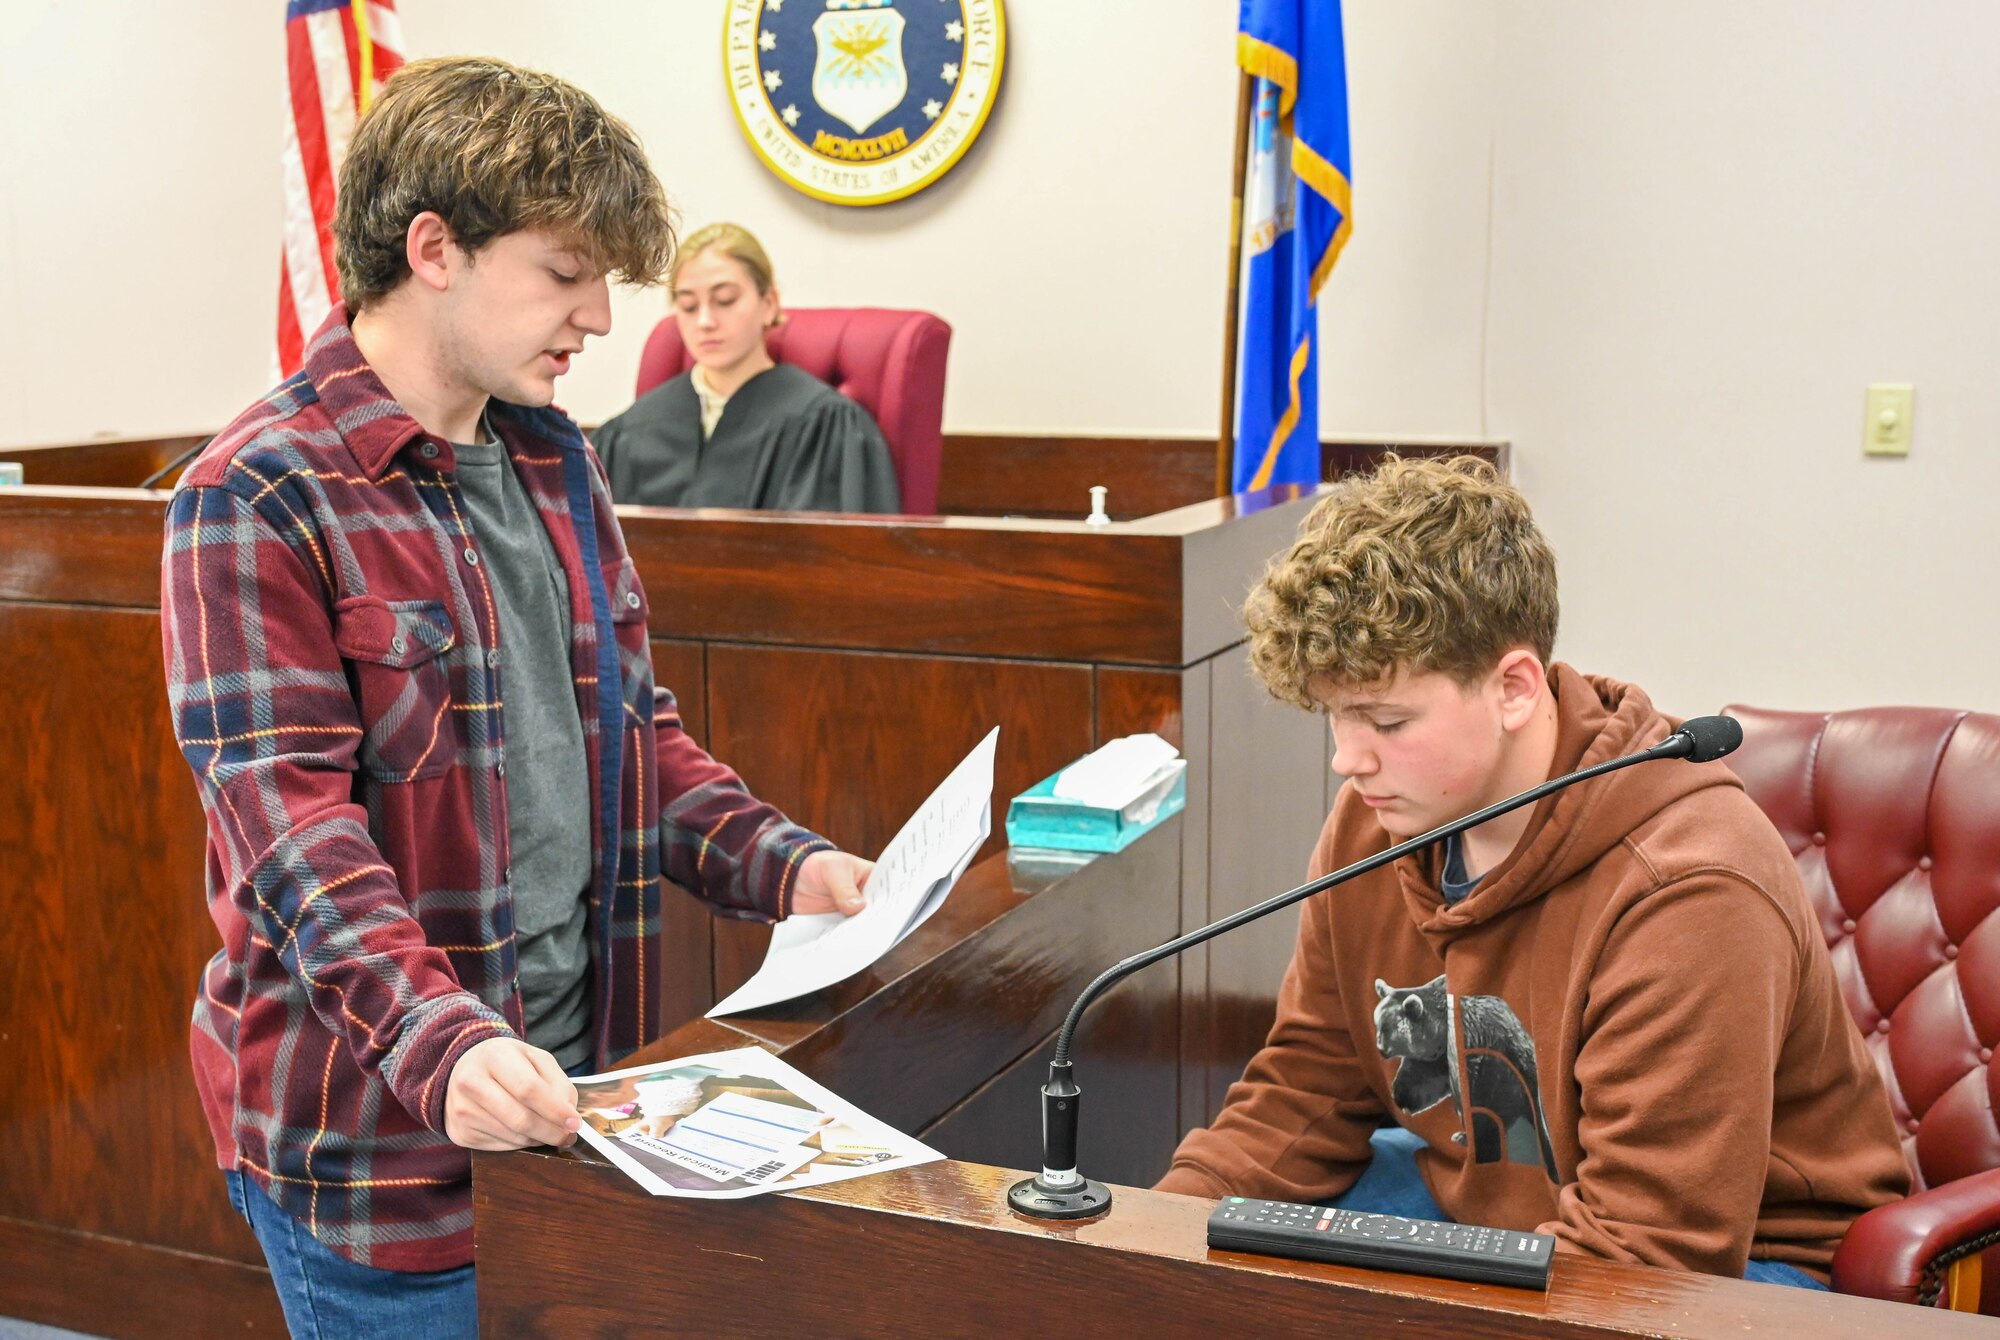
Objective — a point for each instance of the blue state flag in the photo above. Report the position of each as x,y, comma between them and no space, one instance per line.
1297,213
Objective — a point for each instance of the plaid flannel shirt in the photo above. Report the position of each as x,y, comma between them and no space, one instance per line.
332,667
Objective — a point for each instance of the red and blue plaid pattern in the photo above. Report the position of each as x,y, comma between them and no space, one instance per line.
334,673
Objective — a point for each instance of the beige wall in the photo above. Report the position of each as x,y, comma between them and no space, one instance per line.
1714,224
1078,249
138,215
1661,250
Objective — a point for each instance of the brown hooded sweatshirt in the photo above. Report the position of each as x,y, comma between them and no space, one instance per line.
1629,1035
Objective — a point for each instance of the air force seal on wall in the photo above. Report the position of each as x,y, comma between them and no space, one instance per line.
863,101
860,77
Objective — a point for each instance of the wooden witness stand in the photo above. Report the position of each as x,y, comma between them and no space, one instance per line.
568,1245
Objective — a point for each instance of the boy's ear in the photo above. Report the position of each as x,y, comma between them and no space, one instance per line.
1521,679
427,247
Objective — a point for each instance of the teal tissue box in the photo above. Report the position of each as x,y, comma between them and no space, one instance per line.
1037,818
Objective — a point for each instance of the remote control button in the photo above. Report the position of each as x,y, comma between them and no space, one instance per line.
1385,1226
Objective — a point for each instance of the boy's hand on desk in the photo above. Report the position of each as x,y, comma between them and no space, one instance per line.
832,881
504,1094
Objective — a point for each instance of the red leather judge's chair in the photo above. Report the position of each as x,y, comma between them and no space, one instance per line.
891,363
1894,816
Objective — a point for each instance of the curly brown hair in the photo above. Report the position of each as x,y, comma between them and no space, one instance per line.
1428,565
494,149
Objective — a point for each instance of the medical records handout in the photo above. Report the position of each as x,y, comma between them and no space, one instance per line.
724,1125
917,869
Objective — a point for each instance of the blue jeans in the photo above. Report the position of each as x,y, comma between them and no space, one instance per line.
1391,1184
328,1297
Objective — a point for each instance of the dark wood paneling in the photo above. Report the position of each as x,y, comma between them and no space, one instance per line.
981,474
574,1248
987,474
919,1037
682,668
916,1043
1125,1058
132,1291
82,546
994,589
1133,701
114,463
105,933
1346,458
1162,591
987,892
687,931
995,475
827,737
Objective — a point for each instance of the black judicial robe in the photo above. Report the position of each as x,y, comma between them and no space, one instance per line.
786,441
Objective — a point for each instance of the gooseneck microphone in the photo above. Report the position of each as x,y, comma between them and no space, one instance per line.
1058,1192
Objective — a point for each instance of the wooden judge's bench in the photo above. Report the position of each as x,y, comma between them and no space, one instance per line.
842,665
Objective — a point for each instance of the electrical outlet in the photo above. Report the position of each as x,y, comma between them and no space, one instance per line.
1886,428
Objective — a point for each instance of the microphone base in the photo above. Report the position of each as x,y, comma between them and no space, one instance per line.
1028,1196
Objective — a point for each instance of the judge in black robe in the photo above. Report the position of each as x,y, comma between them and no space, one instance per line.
786,441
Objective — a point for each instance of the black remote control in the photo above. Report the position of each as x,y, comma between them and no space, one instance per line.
1384,1241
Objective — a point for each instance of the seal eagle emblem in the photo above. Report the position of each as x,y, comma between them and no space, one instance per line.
860,76
860,102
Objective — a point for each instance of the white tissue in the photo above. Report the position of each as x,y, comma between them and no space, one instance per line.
1113,776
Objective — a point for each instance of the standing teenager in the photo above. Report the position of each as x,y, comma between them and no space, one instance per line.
407,660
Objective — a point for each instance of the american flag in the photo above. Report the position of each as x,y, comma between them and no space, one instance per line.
337,53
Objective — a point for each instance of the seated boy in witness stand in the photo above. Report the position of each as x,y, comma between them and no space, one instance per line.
1609,1016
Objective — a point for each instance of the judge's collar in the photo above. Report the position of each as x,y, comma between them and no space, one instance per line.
706,393
708,405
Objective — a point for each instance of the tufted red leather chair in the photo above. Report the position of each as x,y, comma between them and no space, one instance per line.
1894,816
891,363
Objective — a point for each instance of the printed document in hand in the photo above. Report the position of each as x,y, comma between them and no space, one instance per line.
724,1125
916,871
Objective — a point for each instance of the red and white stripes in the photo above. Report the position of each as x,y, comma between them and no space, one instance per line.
337,53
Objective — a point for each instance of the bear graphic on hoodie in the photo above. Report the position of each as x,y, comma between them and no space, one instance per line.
1474,1051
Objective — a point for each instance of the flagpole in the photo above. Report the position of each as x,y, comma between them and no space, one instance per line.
1225,442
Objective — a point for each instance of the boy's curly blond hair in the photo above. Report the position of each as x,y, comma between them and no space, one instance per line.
1427,565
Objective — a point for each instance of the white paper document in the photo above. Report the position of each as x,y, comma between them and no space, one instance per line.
916,870
724,1125
734,1136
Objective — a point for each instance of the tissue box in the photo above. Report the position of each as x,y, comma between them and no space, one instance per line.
1038,818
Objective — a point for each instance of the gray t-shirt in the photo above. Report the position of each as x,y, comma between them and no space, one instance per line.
548,782
1452,882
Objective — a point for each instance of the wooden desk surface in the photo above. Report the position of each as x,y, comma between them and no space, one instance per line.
946,1033
569,1246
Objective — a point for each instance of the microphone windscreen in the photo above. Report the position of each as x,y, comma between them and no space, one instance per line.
1712,736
